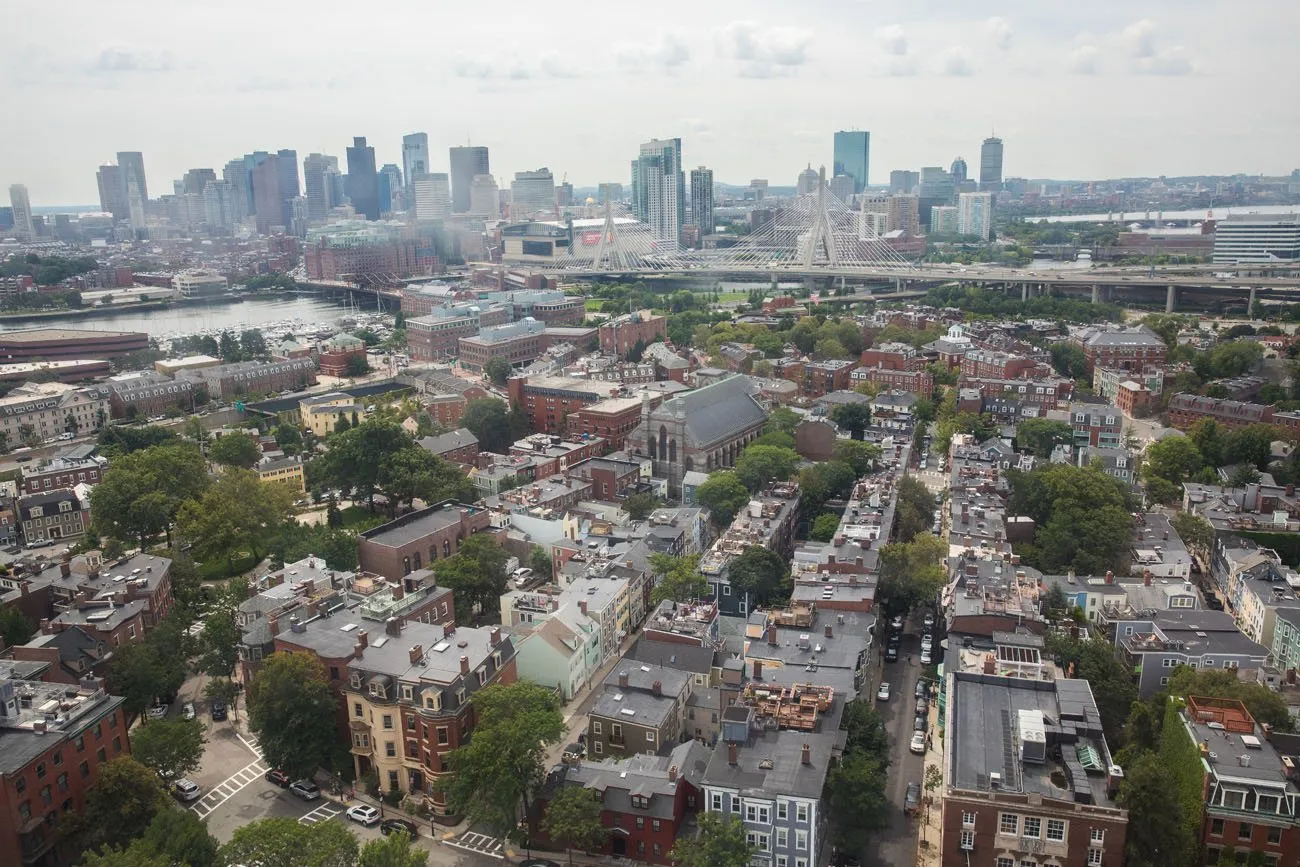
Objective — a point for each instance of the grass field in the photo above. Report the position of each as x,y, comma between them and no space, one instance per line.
218,570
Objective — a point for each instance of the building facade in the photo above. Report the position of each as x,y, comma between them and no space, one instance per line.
420,538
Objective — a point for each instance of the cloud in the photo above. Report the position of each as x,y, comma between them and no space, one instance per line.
1170,61
1139,41
892,39
117,59
1084,60
957,61
1139,38
763,51
668,53
548,65
999,31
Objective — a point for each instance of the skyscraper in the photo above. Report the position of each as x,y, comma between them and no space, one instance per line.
433,197
268,204
958,171
316,185
466,164
531,192
702,200
991,165
903,181
236,173
853,157
484,198
975,214
132,165
390,186
111,191
415,157
24,228
363,179
195,180
286,162
659,188
220,207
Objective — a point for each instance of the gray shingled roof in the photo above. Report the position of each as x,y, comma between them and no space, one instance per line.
717,410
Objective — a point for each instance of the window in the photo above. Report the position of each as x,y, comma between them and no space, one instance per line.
655,825
735,803
1056,830
1008,823
801,862
25,809
443,739
616,732
1245,830
801,812
1164,681
1094,858
758,841
781,861
40,770
85,770
599,747
45,795
967,820
801,840
117,745
1033,827
58,754
355,681
650,737
783,810
356,709
1266,803
715,802
1006,862
782,838
1098,835
1026,862
101,755
408,693
390,749
388,721
640,823
20,785
968,840
1274,836
595,727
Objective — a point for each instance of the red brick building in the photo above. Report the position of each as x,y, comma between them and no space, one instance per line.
612,419
1118,346
892,356
550,402
61,472
778,304
1048,393
386,260
338,352
436,335
1187,409
57,344
552,455
446,409
916,381
418,539
620,335
815,378
518,343
1131,397
459,446
988,364
611,480
48,766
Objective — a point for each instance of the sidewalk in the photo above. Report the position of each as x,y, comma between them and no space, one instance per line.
930,819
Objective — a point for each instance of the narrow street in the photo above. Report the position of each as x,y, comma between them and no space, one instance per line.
896,845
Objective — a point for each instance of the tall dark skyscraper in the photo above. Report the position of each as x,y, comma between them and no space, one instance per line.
112,198
268,204
853,157
991,164
466,162
132,165
286,162
196,180
363,180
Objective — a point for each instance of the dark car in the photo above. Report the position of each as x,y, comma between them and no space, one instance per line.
279,777
392,826
922,688
891,653
218,710
912,801
922,705
920,724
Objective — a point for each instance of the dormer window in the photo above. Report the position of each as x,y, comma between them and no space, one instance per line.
355,680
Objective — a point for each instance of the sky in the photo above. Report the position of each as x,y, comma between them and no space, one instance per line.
754,89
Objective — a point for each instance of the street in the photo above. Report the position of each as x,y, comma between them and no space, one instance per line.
896,845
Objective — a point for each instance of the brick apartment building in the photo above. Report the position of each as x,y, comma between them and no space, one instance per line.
459,446
1126,348
892,356
989,364
228,381
338,352
149,394
518,342
1097,426
62,472
436,335
1049,393
620,335
919,382
419,538
612,419
1187,409
446,409
815,378
611,479
550,402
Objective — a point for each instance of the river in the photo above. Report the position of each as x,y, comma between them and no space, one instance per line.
187,319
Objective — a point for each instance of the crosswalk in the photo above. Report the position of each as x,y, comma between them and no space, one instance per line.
479,844
228,788
323,813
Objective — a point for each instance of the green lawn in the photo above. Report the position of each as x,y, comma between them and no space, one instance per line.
359,518
219,570
593,305
726,297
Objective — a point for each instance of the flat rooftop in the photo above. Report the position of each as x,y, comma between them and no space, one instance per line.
37,335
416,525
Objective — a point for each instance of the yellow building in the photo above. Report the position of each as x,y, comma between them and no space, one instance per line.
283,471
320,414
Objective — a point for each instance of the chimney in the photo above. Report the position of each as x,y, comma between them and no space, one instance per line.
1015,559
464,665
312,607
771,634
1290,490
273,623
582,605
65,568
990,664
494,637
393,626
1146,577
359,649
1110,577
830,631
830,558
806,755
857,561
758,669
622,680
657,687
38,727
672,773
731,753
417,654
363,638
45,627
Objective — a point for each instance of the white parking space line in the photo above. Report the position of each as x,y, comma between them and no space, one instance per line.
323,813
250,741
228,788
480,844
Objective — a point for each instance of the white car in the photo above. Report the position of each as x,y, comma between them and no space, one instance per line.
926,659
187,790
882,694
158,711
364,813
927,642
188,711
918,743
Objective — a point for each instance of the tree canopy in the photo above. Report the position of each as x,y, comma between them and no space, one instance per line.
573,818
915,511
172,747
494,424
1040,435
498,369
724,495
911,573
758,466
238,512
283,842
853,417
476,575
720,842
395,850
119,807
291,709
761,572
677,578
1083,518
234,450
142,491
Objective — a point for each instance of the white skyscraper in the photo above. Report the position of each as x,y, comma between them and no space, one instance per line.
659,189
433,197
975,215
531,192
24,230
415,157
483,198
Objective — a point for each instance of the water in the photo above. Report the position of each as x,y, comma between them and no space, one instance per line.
188,319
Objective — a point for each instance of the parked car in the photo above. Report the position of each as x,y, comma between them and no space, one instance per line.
882,694
364,813
928,622
922,688
918,743
891,653
921,723
912,801
926,658
305,789
392,826
187,790
218,710
158,711
897,622
927,641
279,777
574,752
922,705
188,711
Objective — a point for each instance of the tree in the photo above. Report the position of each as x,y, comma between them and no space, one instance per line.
1083,518
498,369
291,709
865,729
915,511
136,673
222,689
413,472
720,843
173,748
1040,436
782,420
137,855
1209,438
540,561
238,512
179,837
859,456
760,573
759,466
395,850
1068,360
1097,662
639,506
1164,836
234,450
911,573
1265,705
119,807
677,578
1196,532
357,455
15,629
280,842
288,438
1251,445
573,818
357,365
824,527
502,763
219,640
723,494
856,799
853,417
142,491
489,420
